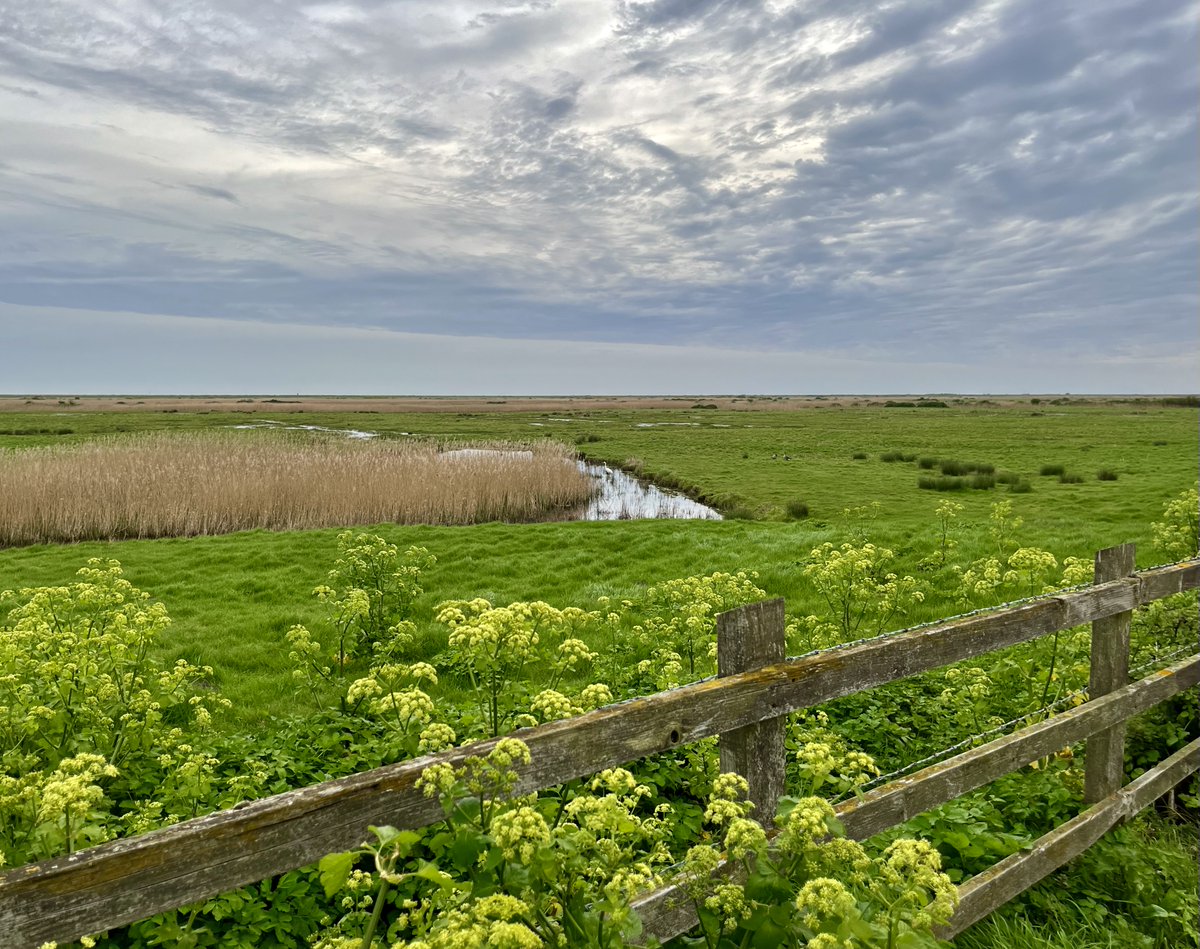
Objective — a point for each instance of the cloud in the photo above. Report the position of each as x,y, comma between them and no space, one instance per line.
938,181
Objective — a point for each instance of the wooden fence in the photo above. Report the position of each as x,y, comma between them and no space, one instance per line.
747,704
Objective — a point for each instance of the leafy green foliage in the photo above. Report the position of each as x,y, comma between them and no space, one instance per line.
88,719
1176,534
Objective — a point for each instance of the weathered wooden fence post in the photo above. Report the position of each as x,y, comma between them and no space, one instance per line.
749,638
1105,755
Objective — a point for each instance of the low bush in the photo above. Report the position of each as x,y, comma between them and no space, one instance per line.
1067,478
1106,474
1020,486
941,483
891,456
927,464
796,509
1047,471
860,456
983,482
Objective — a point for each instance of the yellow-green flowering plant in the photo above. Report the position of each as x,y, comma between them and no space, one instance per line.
511,871
1003,524
861,593
87,716
681,614
370,592
822,762
809,886
947,513
1176,535
503,650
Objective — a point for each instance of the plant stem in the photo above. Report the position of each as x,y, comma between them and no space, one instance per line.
1050,674
369,935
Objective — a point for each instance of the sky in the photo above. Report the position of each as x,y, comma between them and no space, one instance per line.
599,196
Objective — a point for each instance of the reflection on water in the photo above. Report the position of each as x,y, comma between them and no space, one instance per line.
621,497
280,426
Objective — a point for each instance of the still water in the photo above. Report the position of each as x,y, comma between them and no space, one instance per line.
618,497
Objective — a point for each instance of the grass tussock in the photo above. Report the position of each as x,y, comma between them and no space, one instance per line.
796,509
187,484
941,483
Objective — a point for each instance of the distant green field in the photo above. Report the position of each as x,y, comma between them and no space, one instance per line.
233,597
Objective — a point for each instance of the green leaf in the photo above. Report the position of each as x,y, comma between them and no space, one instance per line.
439,878
465,849
335,870
768,936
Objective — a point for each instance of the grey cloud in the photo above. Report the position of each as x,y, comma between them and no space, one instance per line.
929,178
221,194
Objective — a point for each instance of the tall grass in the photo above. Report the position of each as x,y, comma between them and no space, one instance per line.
185,484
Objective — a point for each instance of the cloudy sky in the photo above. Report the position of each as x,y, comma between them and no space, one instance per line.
539,196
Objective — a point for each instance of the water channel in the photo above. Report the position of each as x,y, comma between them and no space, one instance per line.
619,496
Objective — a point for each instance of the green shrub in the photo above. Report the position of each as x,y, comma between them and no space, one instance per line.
796,509
1106,474
1047,471
1020,486
941,483
927,464
891,456
953,467
1068,478
1007,477
740,512
860,455
983,481
96,738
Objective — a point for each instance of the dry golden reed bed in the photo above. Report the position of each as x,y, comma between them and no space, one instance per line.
171,485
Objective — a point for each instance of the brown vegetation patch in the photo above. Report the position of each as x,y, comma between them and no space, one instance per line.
167,485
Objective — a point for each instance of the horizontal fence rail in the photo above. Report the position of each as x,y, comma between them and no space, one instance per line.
1015,874
129,879
667,911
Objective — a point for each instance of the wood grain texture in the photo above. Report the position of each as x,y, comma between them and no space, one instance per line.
1105,755
747,639
907,797
666,912
1014,874
125,880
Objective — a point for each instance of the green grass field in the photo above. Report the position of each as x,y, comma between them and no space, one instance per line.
232,597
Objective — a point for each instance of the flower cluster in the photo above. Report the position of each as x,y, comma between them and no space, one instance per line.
859,591
1178,534
85,711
